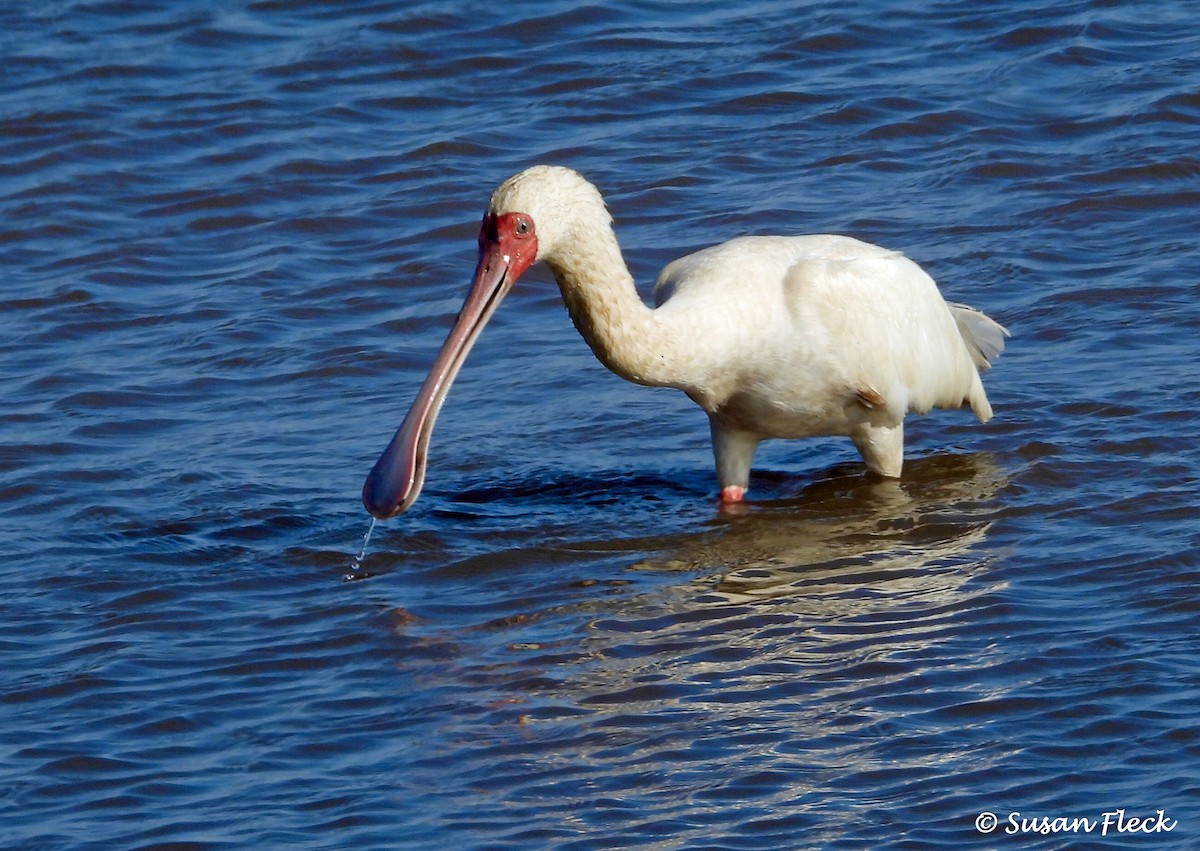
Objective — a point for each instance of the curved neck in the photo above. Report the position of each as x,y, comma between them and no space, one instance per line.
604,304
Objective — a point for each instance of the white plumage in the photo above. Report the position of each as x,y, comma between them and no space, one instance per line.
772,336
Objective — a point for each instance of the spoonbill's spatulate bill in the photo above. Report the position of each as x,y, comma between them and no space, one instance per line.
773,336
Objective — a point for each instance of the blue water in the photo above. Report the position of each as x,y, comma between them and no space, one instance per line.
232,236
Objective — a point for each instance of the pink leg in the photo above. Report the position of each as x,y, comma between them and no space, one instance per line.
733,451
732,494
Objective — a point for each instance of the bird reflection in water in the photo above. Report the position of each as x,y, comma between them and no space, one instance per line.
845,531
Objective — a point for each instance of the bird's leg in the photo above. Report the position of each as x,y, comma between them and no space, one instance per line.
732,493
882,447
734,452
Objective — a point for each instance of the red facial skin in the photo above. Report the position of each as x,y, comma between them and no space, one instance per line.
507,247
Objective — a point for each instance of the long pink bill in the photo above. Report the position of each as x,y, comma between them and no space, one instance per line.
395,481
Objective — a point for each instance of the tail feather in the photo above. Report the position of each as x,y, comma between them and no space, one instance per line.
983,335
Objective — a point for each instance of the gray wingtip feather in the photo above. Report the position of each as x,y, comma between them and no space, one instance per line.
983,335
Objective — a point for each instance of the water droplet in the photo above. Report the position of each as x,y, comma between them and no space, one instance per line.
356,565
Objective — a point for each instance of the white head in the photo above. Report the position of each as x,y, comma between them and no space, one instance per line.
555,202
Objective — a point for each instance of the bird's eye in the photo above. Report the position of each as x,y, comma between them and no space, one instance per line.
524,226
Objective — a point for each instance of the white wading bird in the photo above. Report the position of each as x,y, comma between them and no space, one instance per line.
773,336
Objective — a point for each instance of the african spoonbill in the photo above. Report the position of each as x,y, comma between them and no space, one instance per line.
773,336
